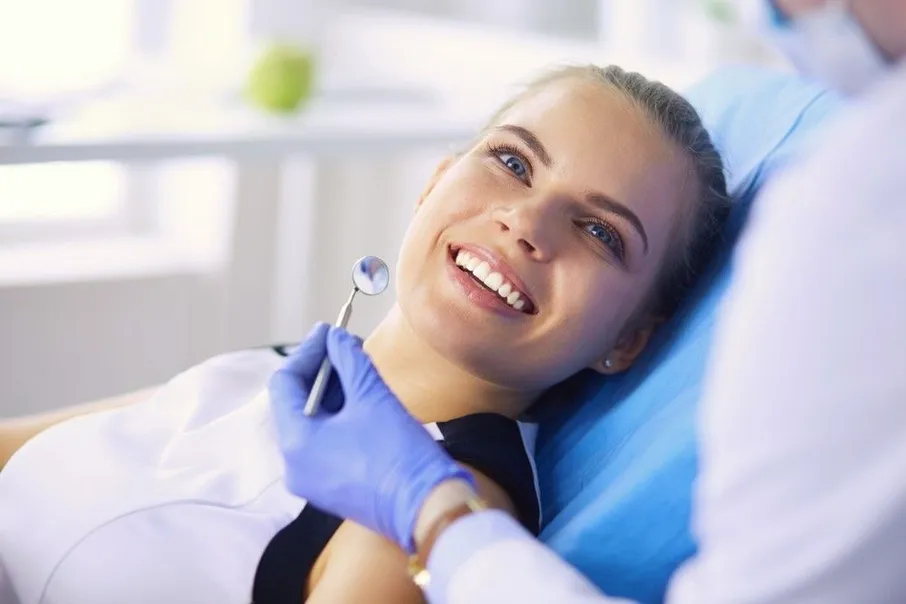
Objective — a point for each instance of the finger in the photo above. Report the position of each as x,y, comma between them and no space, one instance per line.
348,359
287,395
333,396
288,387
306,359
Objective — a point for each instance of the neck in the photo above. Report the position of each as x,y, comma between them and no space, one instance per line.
430,386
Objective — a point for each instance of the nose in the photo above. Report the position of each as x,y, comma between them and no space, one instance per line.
530,225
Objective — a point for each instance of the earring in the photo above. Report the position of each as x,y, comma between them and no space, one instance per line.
608,363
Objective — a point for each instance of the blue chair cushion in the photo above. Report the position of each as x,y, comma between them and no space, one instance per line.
617,456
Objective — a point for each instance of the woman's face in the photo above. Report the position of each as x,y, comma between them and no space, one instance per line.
571,199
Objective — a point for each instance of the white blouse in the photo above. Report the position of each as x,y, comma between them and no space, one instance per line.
170,500
175,499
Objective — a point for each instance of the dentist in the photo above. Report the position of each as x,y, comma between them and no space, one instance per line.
802,490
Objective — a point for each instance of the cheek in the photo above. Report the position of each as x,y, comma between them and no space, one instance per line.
410,265
459,196
464,192
593,315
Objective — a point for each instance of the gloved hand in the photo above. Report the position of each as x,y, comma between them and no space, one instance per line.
370,461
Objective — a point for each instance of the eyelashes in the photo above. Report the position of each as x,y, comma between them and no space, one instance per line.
601,231
606,234
512,159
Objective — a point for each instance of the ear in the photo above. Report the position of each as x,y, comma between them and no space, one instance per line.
438,174
627,350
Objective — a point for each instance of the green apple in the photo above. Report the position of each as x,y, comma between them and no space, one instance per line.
281,78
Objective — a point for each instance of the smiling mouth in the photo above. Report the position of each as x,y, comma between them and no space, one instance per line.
492,281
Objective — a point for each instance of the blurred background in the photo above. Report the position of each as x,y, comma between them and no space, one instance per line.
154,211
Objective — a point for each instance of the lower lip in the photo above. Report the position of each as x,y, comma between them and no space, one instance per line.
478,294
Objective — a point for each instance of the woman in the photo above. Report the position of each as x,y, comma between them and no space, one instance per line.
557,242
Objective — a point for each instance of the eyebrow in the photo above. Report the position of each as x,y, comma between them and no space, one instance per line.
529,138
610,205
600,200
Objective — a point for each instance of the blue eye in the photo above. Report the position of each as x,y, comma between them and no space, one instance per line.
515,164
512,159
606,235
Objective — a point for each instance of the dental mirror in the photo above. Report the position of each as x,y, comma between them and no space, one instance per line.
370,276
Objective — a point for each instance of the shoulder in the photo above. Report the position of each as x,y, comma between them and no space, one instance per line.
850,180
231,376
863,148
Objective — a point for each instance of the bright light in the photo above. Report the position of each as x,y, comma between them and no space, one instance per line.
53,47
50,192
57,46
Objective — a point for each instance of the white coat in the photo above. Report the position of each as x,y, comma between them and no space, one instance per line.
802,491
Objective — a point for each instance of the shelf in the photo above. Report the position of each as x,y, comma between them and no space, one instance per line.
380,98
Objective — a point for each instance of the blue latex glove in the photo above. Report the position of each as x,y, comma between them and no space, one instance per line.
363,458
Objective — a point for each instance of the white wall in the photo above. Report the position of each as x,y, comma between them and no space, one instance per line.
574,18
61,344
364,207
296,229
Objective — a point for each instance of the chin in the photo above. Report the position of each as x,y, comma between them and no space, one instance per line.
447,330
452,333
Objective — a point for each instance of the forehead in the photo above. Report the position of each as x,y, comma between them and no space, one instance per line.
600,140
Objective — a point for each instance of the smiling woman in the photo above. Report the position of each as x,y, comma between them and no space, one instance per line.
592,176
557,242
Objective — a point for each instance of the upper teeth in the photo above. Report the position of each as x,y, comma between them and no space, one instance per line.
493,280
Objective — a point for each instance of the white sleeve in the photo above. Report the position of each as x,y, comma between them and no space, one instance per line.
7,593
802,490
489,558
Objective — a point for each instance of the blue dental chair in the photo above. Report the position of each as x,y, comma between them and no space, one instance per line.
617,456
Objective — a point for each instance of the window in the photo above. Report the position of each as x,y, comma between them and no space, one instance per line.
53,52
54,47
58,54
64,199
